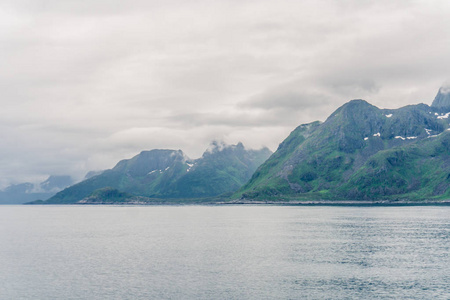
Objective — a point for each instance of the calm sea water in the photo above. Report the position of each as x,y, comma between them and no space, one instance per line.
224,252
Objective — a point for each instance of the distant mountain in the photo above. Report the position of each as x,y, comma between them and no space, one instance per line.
55,184
361,152
25,192
163,174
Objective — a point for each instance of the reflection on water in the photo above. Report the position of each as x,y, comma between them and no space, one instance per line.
218,252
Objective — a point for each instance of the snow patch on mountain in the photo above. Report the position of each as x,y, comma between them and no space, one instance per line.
444,116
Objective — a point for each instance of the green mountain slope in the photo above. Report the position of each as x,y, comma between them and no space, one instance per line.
360,153
417,171
166,174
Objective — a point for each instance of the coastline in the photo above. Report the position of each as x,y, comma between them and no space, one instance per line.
208,202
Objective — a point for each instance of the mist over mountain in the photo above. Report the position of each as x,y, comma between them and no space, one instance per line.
442,100
92,174
25,192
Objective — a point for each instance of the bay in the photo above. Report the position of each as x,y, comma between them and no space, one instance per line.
224,252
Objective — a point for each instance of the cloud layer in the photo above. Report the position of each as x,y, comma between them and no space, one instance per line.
87,83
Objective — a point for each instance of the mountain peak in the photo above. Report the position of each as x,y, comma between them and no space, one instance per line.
353,106
156,159
352,112
442,99
356,104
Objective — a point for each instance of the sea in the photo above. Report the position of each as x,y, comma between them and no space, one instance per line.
224,252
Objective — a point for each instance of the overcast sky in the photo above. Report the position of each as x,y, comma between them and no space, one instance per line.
85,84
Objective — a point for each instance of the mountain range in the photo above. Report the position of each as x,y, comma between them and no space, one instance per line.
168,174
360,153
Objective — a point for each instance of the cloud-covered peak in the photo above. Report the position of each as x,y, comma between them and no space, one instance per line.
445,89
442,99
216,146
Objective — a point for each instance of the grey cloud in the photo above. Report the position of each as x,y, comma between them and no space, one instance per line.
87,83
81,7
232,119
287,100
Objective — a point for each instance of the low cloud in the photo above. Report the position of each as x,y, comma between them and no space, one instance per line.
445,89
85,84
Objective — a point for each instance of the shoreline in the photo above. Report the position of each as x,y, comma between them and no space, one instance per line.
260,202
